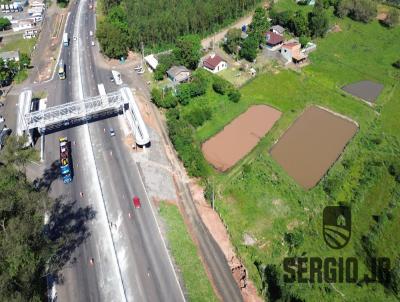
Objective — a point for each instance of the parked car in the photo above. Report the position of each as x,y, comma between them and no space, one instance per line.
92,43
136,202
112,132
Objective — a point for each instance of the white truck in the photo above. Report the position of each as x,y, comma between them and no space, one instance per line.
65,39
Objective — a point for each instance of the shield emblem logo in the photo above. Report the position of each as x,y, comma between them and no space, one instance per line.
337,226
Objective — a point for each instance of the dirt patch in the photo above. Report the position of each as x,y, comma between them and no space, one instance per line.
239,137
365,90
382,16
312,144
336,28
218,231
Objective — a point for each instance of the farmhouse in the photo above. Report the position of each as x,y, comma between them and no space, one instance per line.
10,55
151,61
178,74
273,40
291,52
277,29
214,63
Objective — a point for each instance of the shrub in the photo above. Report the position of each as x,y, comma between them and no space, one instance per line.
221,86
392,19
167,101
304,40
396,64
156,96
197,116
234,95
358,10
183,93
181,135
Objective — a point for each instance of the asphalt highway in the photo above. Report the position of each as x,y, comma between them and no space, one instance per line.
131,260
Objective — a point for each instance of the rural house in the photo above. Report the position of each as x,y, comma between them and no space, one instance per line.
214,63
178,74
277,29
273,40
10,55
291,52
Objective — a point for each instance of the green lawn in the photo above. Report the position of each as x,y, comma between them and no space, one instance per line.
19,43
186,257
258,197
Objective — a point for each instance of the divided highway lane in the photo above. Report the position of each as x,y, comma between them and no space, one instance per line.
80,281
145,264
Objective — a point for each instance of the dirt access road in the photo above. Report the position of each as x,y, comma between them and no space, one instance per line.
221,34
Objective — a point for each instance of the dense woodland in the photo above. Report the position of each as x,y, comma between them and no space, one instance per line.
159,22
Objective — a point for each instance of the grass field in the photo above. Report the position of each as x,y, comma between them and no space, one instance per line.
18,43
185,254
257,197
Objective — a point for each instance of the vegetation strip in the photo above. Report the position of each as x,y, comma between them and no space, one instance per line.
185,254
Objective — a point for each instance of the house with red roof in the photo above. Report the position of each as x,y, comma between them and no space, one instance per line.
214,63
291,52
273,40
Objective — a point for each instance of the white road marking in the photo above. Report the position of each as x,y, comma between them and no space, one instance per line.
159,231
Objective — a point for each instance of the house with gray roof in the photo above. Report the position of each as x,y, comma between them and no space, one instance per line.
277,29
178,74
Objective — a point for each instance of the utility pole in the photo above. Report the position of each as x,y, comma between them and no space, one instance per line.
212,195
142,46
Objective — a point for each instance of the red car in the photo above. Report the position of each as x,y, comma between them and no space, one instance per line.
136,202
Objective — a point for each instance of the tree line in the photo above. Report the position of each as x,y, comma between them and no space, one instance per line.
31,251
182,119
159,23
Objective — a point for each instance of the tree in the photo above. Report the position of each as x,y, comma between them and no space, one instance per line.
14,152
233,40
392,19
184,93
342,8
24,60
234,95
318,22
363,10
358,10
187,51
4,23
220,86
396,64
304,40
259,24
299,24
165,61
113,40
198,115
249,48
281,18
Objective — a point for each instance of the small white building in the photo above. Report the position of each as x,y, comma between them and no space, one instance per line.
151,61
37,3
23,24
214,63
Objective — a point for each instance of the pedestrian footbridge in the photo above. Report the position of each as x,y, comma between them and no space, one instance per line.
61,115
